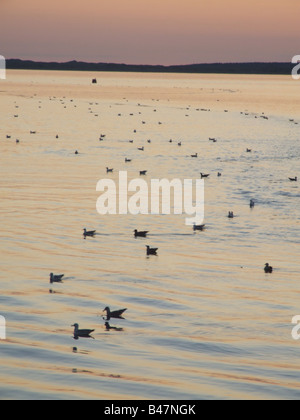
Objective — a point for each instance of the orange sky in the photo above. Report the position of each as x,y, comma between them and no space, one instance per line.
150,31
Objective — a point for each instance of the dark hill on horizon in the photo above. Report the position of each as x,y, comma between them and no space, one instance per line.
225,68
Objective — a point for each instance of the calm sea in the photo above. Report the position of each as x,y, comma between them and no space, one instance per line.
203,320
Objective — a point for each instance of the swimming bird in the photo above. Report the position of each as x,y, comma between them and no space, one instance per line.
109,169
141,148
198,227
127,160
252,203
204,175
141,234
294,179
151,251
89,233
195,155
56,278
268,268
143,172
248,150
179,144
219,174
230,215
81,333
114,314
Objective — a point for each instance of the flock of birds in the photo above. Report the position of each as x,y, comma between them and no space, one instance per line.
86,333
118,314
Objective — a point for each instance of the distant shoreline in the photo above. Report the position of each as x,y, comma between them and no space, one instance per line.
259,68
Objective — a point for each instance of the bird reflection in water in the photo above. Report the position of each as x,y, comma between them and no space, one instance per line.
108,327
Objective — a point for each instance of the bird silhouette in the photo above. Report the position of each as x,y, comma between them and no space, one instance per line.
56,278
268,268
198,227
141,234
81,333
151,251
88,233
114,314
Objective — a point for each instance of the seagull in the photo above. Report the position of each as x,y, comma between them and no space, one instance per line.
294,179
89,233
56,279
114,314
151,251
204,175
198,227
81,333
142,234
268,268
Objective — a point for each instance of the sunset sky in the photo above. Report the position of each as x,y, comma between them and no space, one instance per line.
150,31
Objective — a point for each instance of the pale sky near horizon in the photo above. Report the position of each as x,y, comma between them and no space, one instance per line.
150,31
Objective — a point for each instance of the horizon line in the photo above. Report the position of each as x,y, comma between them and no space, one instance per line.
149,65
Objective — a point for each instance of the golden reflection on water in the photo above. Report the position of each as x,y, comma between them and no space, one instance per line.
203,319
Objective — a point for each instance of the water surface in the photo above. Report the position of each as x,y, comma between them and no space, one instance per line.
203,319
